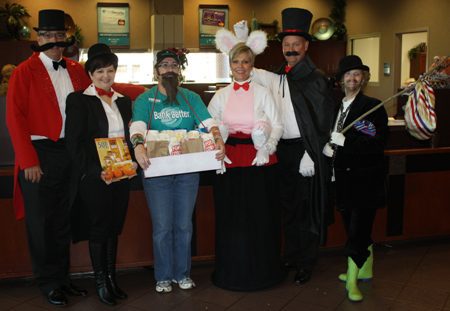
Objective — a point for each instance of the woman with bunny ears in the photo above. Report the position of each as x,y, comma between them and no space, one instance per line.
247,214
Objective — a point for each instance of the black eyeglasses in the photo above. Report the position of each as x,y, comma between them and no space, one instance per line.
169,66
50,35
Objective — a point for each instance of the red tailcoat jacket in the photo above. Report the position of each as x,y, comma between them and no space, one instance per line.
32,109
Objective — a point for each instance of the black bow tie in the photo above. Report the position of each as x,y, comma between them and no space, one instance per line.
61,63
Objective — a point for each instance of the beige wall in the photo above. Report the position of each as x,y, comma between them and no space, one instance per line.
389,17
84,14
265,11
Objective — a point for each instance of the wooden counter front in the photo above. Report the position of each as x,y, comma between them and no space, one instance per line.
418,207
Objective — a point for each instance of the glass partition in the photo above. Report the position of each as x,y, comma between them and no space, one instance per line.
207,68
134,67
137,67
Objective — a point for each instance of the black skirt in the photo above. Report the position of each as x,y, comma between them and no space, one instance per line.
248,229
99,210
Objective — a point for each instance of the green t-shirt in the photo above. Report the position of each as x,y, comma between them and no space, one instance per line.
170,116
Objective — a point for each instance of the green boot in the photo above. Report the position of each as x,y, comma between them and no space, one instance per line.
366,272
353,292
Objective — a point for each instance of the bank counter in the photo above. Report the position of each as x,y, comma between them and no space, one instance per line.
418,207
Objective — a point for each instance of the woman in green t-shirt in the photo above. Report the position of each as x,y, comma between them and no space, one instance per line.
171,199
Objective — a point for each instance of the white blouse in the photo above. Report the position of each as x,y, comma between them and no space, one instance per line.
115,121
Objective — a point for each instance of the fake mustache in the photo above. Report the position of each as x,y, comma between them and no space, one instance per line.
170,75
291,53
50,45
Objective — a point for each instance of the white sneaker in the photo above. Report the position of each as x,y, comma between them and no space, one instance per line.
163,287
186,283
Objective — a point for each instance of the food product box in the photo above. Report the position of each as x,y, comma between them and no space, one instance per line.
115,158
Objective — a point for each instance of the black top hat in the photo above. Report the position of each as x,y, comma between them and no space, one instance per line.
50,20
99,50
348,63
296,22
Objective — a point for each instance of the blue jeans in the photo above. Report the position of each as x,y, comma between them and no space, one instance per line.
171,200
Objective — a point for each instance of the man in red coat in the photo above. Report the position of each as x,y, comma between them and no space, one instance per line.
35,118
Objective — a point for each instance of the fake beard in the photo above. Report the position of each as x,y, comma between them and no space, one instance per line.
50,45
291,53
169,81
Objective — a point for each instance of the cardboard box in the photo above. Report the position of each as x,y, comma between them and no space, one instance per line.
183,163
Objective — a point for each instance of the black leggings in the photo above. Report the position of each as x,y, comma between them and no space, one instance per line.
358,224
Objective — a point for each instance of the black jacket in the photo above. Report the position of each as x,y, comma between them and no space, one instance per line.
86,120
313,104
360,169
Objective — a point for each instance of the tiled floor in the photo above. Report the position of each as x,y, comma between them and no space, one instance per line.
407,277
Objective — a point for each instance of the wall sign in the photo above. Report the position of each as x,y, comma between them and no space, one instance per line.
114,24
211,19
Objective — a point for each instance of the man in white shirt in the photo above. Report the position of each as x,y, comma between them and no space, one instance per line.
306,103
35,118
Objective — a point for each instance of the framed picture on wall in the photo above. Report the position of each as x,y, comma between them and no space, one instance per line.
114,24
211,19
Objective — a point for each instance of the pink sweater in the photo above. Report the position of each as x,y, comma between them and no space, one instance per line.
238,113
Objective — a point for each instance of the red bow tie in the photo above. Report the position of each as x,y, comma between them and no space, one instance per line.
102,92
287,68
237,86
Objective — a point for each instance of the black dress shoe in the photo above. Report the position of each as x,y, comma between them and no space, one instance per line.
302,276
56,297
72,290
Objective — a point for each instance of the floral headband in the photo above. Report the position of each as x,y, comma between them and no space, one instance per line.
178,54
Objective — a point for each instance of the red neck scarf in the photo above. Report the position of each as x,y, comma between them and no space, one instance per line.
102,92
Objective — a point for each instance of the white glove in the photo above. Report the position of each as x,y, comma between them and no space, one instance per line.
223,169
262,157
223,129
270,146
241,30
306,166
328,150
260,134
337,139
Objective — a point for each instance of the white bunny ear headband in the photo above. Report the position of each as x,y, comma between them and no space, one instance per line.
226,40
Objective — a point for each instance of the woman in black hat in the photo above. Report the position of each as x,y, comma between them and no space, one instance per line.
359,169
100,204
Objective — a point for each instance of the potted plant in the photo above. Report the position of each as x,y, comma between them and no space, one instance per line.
416,50
417,58
337,15
12,19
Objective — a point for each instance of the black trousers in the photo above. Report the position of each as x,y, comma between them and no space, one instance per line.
301,245
47,215
358,224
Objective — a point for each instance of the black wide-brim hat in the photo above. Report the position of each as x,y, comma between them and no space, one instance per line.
296,22
98,50
51,20
348,63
